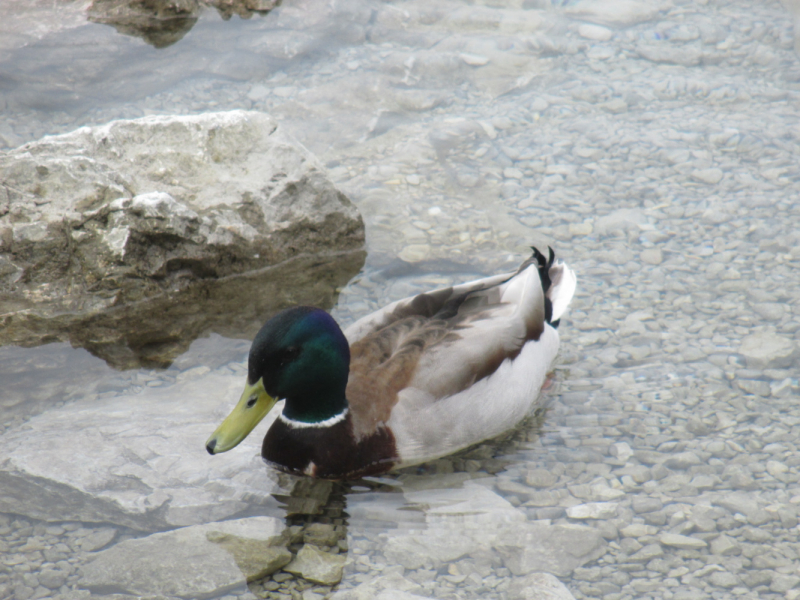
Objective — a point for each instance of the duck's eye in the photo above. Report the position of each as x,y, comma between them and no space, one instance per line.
288,355
251,401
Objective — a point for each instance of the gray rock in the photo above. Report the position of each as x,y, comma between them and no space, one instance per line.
556,549
752,578
313,564
398,595
52,579
617,13
197,561
129,468
681,541
687,56
765,349
321,534
755,387
136,209
621,220
391,584
646,504
682,460
98,539
725,546
593,510
783,583
413,551
159,23
709,176
647,553
540,478
724,579
538,586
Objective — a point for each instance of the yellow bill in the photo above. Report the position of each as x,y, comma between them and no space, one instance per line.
253,406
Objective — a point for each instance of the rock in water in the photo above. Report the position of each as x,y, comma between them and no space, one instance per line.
135,460
139,209
617,13
313,564
192,562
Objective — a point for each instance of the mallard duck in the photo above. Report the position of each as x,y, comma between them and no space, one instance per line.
417,380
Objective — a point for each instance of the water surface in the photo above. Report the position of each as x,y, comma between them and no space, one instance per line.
653,145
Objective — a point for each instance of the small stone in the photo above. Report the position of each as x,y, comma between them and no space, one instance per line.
595,32
783,583
683,460
755,387
615,13
413,179
710,176
637,530
687,56
769,311
473,60
647,553
512,173
539,105
645,504
758,517
312,564
536,586
621,451
723,579
776,468
759,536
98,539
320,534
652,256
725,546
52,579
681,541
593,510
580,228
753,578
415,253
616,106
540,478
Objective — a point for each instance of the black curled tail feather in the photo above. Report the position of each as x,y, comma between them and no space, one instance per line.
543,266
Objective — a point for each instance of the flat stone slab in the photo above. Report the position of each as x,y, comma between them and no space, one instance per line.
681,541
136,460
192,562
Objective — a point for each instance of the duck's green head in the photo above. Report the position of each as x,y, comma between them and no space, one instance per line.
299,355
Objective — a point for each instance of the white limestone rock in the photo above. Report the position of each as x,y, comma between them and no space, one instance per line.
136,207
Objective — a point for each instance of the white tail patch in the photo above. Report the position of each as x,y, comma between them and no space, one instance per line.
562,288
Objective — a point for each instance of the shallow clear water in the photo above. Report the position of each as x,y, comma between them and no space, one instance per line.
658,157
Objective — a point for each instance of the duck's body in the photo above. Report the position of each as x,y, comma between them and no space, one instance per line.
419,379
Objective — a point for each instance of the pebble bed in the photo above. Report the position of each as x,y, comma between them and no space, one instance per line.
658,158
